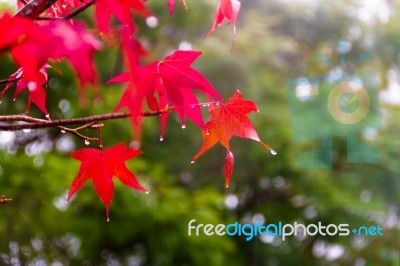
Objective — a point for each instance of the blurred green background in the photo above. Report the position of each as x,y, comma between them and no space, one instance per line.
277,41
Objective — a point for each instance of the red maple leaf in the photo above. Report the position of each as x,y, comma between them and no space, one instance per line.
171,80
35,86
227,9
171,4
76,45
101,166
13,30
119,9
227,120
32,45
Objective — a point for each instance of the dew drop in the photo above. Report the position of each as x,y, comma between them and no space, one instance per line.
273,152
26,130
14,100
207,133
147,192
192,162
183,126
47,116
63,131
108,219
87,142
0,101
161,138
204,104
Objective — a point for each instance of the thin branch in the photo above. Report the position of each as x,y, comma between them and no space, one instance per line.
99,128
70,15
75,131
79,9
5,81
35,7
33,123
4,200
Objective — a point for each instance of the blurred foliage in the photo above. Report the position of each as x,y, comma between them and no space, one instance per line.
277,41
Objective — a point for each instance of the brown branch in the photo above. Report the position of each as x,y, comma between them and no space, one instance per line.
74,13
35,7
33,123
4,200
5,81
75,131
79,9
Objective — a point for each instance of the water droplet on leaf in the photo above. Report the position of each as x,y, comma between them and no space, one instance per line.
183,126
87,142
161,138
273,152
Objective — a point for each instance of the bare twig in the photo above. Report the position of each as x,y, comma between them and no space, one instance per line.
70,15
79,9
35,7
75,131
5,81
4,200
99,128
33,123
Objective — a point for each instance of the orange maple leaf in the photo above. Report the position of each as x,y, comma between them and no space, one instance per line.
227,120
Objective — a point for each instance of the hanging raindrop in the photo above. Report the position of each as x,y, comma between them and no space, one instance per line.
87,142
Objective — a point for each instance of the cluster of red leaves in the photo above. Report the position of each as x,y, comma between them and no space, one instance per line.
33,46
168,83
